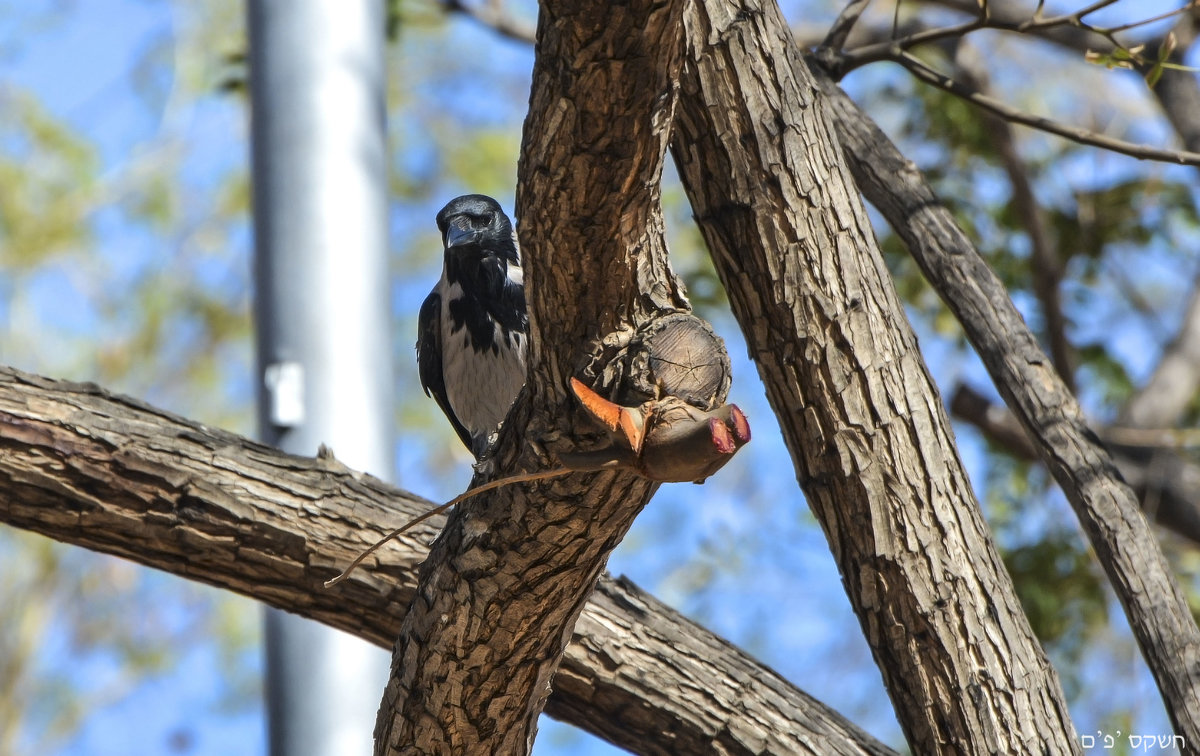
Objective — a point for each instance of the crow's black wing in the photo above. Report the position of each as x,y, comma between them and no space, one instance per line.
429,360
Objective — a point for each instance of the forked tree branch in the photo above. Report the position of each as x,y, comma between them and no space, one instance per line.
511,571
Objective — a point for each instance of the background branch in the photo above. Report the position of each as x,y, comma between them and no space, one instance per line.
1142,152
1178,92
1108,510
1163,480
1067,28
1046,269
844,24
1172,386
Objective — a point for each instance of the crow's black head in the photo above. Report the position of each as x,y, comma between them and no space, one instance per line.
474,226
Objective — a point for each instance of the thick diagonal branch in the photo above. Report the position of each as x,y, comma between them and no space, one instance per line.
869,439
1105,505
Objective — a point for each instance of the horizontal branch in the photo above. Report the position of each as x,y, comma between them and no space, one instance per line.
112,474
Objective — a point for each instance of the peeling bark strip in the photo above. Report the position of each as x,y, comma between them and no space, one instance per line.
1108,510
868,435
114,475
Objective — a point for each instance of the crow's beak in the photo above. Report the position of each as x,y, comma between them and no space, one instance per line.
457,236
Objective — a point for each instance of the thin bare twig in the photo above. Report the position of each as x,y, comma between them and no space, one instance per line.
523,478
1073,18
848,60
1075,134
1178,95
1135,24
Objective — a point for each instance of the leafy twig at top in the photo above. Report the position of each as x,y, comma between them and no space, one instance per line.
840,62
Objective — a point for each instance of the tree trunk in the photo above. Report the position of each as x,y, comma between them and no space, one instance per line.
869,437
506,580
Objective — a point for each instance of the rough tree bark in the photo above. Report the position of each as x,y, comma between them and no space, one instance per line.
869,438
114,475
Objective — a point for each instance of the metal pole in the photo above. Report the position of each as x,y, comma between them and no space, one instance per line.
321,304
